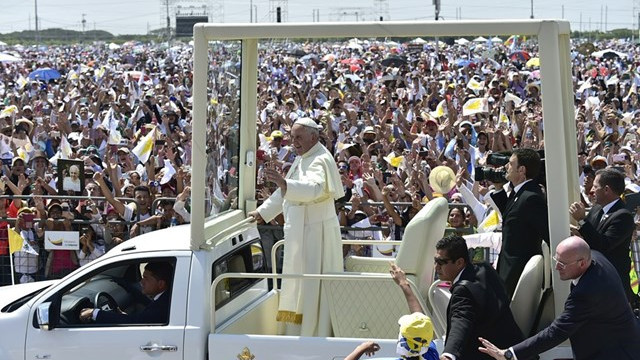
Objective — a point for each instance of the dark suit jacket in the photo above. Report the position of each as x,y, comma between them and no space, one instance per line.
479,307
612,237
157,312
525,223
597,319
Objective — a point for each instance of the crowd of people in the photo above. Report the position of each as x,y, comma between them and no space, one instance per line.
96,141
390,114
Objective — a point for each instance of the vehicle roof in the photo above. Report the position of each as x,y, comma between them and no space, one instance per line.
171,238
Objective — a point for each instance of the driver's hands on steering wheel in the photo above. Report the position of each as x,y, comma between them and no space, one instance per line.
86,315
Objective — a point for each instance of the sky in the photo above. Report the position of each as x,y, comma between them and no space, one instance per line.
139,16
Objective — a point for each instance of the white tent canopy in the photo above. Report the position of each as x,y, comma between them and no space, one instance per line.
418,40
9,58
480,39
496,39
462,41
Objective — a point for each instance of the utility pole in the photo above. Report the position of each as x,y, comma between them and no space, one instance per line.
37,28
606,17
168,23
532,9
437,5
251,11
562,11
581,23
84,23
601,11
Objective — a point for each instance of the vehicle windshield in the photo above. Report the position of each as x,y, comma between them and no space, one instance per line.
223,118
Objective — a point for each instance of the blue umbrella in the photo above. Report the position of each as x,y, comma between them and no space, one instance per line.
464,62
45,74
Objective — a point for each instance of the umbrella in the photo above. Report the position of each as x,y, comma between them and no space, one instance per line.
353,77
8,58
394,61
519,55
45,74
309,57
535,74
135,75
329,58
608,54
386,78
533,62
297,53
352,61
464,62
354,67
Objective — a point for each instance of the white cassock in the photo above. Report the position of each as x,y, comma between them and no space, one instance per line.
312,238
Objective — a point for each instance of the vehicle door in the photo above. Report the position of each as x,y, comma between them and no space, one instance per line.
71,339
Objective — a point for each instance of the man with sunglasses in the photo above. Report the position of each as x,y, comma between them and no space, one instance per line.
597,318
478,303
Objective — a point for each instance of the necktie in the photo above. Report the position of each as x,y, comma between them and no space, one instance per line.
600,216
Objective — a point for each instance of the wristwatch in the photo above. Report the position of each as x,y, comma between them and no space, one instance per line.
581,222
508,354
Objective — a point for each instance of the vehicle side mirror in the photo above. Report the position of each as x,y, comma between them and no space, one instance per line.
43,316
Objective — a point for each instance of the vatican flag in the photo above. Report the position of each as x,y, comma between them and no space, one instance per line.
394,160
474,85
510,97
503,117
474,106
441,110
145,146
65,148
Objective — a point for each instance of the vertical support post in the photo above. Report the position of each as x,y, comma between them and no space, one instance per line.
559,126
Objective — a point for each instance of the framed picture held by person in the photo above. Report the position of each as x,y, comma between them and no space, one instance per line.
70,177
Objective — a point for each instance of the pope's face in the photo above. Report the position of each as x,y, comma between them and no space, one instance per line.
303,139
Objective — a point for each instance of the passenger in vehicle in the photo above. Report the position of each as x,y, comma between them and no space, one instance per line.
156,284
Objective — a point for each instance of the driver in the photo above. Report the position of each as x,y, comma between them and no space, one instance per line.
156,284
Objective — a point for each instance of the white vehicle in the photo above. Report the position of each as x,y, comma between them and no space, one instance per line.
222,303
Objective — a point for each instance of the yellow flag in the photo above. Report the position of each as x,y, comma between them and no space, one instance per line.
15,241
633,276
474,106
144,148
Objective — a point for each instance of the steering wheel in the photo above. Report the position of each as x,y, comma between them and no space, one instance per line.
104,301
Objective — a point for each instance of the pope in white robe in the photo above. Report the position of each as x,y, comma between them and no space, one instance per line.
305,196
